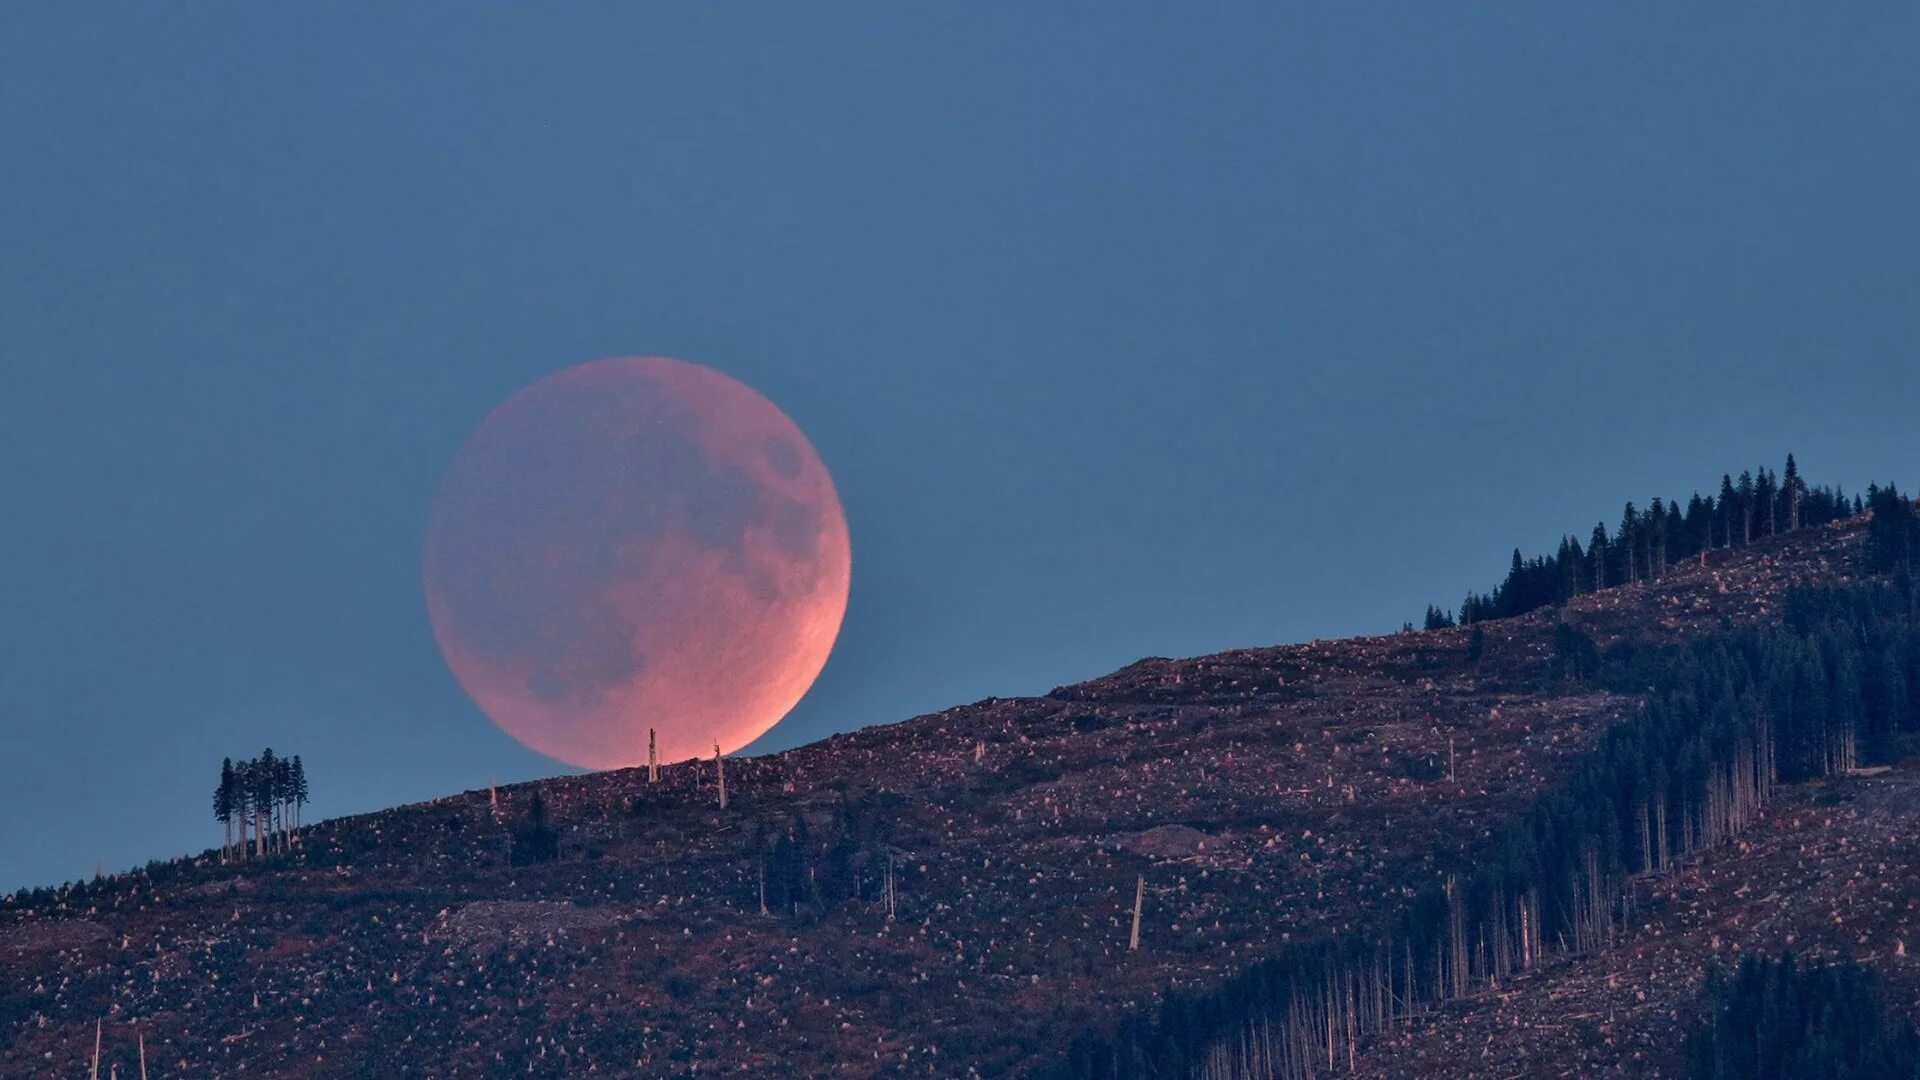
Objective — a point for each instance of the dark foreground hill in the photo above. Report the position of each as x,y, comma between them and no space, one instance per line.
954,895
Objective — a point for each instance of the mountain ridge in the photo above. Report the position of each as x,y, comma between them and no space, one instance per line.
947,895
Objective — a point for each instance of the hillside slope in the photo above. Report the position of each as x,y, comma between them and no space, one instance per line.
947,896
1833,871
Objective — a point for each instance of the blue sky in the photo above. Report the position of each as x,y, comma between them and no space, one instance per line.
1125,330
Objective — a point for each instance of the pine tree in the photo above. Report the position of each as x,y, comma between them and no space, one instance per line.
1673,537
536,842
242,806
1766,501
1699,526
223,806
1744,494
1656,530
264,769
300,791
1794,489
1893,533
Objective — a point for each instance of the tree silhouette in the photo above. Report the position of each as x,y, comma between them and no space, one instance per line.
257,803
536,841
1780,1020
225,798
1647,544
300,791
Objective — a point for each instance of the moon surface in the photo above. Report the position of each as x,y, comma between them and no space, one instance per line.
636,543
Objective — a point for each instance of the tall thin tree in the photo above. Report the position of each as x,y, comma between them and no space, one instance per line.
223,799
262,794
300,792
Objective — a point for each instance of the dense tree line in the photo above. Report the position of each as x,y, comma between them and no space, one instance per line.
258,803
1647,541
1780,1020
1725,718
1893,536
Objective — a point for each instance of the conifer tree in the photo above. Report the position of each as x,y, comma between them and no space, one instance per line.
1569,560
1766,499
1746,508
223,806
300,791
264,768
242,806
1893,533
1628,540
1794,489
536,842
1656,530
1699,525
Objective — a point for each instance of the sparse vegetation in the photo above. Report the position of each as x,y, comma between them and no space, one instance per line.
1349,827
1727,717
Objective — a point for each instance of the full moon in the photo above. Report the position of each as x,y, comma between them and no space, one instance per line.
630,544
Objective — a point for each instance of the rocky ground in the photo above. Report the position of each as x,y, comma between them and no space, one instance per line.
1833,871
1264,796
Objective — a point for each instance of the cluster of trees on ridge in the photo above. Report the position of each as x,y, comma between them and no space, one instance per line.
258,803
1780,1020
1893,537
1758,505
1728,716
1725,718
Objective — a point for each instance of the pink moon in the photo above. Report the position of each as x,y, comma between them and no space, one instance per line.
636,543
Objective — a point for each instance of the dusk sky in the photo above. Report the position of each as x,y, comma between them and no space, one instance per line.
1124,330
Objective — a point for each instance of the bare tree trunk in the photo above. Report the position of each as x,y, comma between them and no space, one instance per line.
1457,970
1646,838
653,757
720,773
1139,901
1660,852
